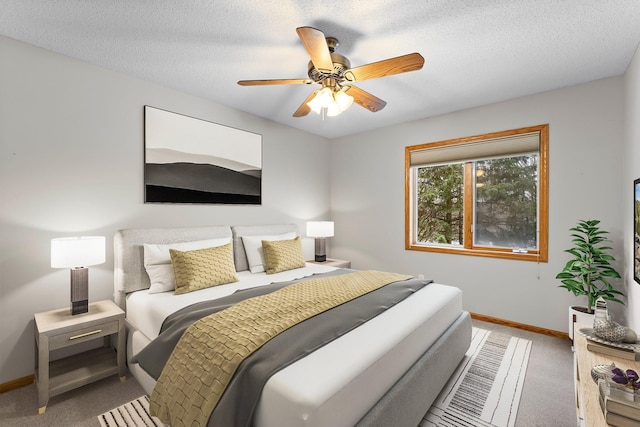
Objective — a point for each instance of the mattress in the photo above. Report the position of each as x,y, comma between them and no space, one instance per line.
337,384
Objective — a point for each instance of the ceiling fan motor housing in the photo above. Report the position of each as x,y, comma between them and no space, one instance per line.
340,65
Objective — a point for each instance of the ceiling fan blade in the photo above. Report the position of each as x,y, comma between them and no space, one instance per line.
304,109
316,44
365,99
387,67
275,82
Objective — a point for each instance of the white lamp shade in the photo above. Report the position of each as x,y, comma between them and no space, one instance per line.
333,110
343,100
320,228
322,99
335,102
71,252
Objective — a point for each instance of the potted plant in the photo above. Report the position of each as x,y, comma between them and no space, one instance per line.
589,271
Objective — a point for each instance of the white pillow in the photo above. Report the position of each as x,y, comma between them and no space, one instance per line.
157,261
253,248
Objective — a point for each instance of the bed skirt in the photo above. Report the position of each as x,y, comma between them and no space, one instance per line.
406,403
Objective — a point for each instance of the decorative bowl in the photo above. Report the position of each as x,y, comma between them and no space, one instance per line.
609,330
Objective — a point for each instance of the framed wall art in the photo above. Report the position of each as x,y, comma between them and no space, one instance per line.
189,160
636,230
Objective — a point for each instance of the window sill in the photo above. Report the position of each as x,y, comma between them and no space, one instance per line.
487,253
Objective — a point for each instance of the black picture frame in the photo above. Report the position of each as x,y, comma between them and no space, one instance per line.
636,230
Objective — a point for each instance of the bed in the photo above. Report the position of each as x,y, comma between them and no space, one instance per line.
385,372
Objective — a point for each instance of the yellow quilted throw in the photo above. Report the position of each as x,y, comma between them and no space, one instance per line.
210,351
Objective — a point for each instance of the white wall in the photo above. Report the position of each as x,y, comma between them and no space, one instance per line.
71,163
586,143
632,171
71,154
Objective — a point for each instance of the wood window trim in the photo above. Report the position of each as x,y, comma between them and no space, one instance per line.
540,255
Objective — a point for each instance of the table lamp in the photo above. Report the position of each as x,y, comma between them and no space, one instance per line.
77,253
320,230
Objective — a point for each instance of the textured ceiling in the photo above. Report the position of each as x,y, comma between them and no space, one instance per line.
476,51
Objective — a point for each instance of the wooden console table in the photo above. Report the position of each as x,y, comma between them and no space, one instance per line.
587,395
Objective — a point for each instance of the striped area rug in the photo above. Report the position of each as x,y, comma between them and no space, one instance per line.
132,414
485,390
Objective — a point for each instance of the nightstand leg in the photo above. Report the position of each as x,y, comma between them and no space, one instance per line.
120,348
42,373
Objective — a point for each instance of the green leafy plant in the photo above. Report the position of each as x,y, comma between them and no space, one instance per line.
589,271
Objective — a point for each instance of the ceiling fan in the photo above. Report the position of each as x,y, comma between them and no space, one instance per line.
333,71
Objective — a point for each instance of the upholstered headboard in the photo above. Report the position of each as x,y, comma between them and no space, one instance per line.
129,272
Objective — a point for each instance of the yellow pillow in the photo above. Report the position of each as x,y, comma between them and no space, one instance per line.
203,268
282,255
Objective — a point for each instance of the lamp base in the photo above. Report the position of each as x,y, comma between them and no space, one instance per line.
79,307
321,251
79,290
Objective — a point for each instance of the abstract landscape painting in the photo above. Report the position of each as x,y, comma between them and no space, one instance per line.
188,160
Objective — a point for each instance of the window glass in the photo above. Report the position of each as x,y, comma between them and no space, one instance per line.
506,202
439,204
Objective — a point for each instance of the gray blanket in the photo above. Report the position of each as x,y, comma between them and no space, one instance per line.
239,401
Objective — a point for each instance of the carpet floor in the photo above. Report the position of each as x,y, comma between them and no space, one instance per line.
547,398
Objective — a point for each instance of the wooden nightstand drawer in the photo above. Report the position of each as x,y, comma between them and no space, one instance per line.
83,334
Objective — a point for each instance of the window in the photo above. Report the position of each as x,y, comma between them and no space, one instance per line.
484,195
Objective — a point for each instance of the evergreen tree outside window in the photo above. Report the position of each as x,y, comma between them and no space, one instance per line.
483,195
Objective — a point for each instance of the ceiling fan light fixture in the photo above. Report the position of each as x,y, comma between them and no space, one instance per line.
322,99
333,110
314,104
343,100
330,101
325,97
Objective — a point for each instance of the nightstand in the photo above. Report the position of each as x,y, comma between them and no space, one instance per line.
338,263
59,329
